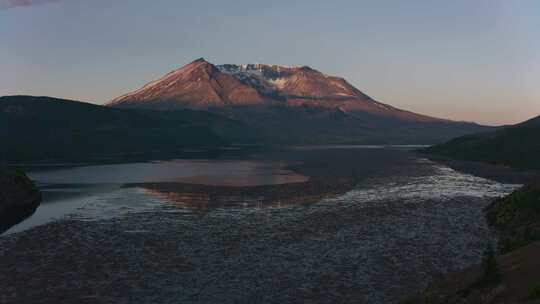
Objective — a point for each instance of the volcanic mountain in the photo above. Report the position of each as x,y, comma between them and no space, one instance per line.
290,105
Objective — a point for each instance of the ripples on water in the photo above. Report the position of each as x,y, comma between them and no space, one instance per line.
445,184
389,236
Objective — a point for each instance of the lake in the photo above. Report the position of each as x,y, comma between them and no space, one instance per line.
322,224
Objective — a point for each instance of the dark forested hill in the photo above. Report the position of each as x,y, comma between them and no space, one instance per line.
37,128
517,146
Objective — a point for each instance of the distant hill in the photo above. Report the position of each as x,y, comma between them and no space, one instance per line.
516,146
35,128
291,105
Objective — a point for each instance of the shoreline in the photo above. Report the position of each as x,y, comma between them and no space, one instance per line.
19,198
499,173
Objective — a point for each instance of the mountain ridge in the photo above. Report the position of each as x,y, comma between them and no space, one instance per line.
199,84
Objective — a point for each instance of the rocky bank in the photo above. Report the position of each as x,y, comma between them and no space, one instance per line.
19,197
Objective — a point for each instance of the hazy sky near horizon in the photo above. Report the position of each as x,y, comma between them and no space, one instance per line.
465,60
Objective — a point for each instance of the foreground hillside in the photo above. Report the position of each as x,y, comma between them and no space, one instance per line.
291,105
515,146
517,216
516,278
520,282
19,197
36,128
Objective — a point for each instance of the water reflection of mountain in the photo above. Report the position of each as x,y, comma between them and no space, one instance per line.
205,197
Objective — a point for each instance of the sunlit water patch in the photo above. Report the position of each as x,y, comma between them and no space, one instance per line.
445,184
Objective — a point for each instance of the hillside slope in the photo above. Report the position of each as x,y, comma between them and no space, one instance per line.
517,217
520,282
516,146
19,197
36,128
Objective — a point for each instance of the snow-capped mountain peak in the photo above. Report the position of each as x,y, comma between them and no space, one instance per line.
203,85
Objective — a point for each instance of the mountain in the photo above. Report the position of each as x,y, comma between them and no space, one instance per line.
290,105
198,85
515,146
36,128
202,85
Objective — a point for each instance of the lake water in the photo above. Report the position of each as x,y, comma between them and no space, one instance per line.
97,191
135,232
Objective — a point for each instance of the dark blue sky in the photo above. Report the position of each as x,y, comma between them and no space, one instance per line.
466,60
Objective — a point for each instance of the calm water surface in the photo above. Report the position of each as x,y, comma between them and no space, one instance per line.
97,191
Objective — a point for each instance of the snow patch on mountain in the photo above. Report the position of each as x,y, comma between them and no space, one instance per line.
279,82
265,77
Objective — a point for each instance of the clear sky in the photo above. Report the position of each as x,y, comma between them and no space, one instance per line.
475,60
